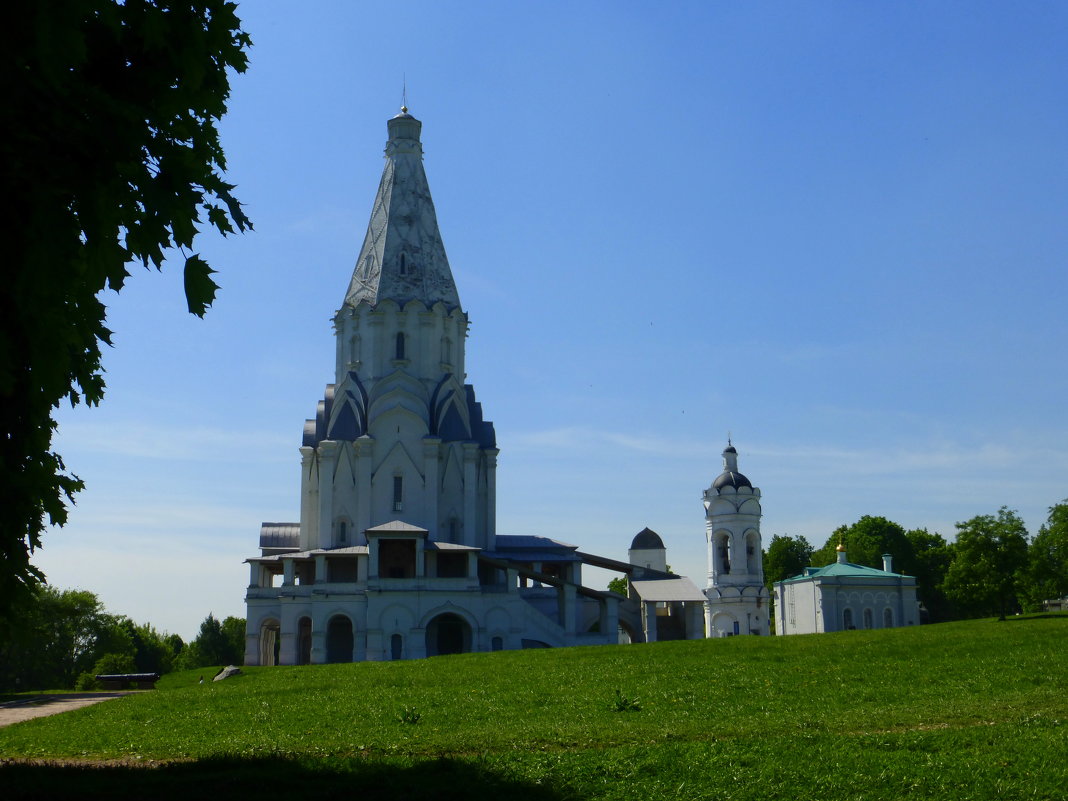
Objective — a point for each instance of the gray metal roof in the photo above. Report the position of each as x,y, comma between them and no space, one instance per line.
280,535
397,527
450,546
351,550
676,589
535,556
513,542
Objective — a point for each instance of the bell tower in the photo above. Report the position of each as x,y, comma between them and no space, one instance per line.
737,598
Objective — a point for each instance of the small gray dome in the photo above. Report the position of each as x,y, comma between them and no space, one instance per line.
646,540
731,479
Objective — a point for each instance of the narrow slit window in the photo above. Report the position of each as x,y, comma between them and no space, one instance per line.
398,493
400,345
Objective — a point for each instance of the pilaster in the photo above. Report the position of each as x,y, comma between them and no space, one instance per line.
309,497
364,447
327,464
431,483
491,497
470,493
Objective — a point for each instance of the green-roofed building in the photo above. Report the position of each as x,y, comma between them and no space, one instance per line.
843,596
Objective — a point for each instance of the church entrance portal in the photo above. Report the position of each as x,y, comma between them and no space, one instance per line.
304,638
448,634
339,639
269,643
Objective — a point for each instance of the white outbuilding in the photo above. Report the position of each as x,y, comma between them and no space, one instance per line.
844,596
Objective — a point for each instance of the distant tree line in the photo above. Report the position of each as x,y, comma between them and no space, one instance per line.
63,638
993,568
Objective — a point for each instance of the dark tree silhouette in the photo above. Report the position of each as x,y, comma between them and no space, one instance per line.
110,157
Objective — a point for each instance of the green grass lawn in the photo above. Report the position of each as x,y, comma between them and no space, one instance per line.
956,711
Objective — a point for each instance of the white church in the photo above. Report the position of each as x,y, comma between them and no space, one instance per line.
396,554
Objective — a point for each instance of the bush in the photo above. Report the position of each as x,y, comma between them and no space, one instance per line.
114,663
86,682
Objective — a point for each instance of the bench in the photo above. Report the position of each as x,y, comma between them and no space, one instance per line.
124,681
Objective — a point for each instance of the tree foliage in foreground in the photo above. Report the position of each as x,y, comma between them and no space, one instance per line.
786,557
866,541
110,157
1046,575
990,553
66,636
932,556
217,643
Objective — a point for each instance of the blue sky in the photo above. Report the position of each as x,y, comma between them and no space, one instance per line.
835,230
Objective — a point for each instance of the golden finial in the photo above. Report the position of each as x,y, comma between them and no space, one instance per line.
841,547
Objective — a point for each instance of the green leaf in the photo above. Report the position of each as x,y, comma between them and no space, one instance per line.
199,286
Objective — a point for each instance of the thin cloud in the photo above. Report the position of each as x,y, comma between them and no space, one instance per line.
164,443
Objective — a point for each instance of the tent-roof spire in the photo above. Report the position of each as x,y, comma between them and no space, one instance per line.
403,257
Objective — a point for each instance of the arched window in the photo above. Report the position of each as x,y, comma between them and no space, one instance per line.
398,493
847,619
400,345
888,618
723,551
868,619
342,532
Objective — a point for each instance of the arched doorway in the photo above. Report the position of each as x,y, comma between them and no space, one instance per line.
448,634
304,638
339,639
269,642
724,625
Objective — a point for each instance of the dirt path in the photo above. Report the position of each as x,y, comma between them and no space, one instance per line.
38,706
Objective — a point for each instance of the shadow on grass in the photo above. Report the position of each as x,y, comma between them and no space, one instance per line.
235,778
1046,616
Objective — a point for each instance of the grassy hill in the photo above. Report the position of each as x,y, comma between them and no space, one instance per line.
957,711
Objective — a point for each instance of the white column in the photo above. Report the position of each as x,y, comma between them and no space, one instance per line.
309,497
491,498
695,621
649,620
318,639
432,485
327,463
364,447
470,493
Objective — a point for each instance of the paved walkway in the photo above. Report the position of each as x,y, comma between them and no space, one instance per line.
38,706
